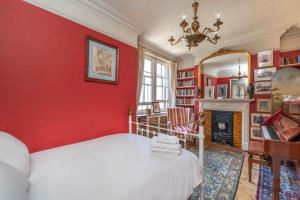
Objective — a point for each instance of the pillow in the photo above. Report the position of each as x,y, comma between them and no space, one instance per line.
14,153
13,184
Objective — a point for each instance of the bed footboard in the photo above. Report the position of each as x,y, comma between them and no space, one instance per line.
145,128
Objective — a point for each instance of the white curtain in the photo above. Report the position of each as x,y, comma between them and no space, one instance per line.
141,57
172,83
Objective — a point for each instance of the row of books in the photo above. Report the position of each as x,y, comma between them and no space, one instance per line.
290,60
185,92
186,83
185,101
185,74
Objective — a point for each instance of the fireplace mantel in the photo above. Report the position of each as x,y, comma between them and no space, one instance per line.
235,105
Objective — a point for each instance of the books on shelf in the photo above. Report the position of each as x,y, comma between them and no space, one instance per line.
290,60
185,74
185,92
185,101
186,83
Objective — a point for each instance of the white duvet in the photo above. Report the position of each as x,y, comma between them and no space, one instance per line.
115,167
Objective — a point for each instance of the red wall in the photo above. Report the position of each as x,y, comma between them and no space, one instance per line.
45,101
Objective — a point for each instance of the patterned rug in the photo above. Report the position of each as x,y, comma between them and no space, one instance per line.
222,171
289,187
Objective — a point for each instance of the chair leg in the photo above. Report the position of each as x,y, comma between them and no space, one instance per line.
250,168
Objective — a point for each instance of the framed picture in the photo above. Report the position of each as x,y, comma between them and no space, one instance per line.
265,58
237,81
294,109
222,90
209,82
258,118
263,87
264,74
238,91
102,61
256,133
155,107
263,105
209,92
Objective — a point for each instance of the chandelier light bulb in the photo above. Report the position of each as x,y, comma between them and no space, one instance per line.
172,33
184,17
218,16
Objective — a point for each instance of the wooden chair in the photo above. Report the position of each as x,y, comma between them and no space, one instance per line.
256,157
179,119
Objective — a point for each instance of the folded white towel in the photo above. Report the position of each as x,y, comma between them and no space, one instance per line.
166,139
155,144
166,151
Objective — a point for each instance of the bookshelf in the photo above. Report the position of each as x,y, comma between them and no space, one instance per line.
186,88
290,59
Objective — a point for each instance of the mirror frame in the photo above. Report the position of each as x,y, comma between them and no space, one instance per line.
222,52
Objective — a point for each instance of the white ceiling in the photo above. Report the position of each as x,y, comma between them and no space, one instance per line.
249,24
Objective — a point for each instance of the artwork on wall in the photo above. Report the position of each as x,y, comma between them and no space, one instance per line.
237,81
238,91
155,107
256,133
265,58
209,82
258,118
102,61
263,87
263,105
209,92
222,90
264,74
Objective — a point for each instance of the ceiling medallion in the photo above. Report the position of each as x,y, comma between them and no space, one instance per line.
192,35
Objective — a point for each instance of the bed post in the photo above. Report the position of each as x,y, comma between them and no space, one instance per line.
201,151
130,119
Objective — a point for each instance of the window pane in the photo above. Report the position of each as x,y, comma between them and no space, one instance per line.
148,80
165,81
142,94
148,94
159,81
158,69
147,65
159,93
164,71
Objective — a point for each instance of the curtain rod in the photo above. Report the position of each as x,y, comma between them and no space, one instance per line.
156,53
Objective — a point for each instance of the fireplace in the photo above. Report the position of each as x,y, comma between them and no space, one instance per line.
222,127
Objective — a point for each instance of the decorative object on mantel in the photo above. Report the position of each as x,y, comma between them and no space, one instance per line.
239,75
102,61
222,91
238,91
155,107
192,35
209,92
265,58
250,91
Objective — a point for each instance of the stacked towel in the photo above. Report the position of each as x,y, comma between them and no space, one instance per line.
166,144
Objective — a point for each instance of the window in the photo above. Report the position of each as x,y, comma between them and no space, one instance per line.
155,83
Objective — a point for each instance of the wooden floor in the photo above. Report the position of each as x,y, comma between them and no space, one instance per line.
246,190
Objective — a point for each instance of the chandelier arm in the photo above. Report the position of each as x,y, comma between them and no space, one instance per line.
179,40
210,30
210,40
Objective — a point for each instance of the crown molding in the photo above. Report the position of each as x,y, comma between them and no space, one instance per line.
95,15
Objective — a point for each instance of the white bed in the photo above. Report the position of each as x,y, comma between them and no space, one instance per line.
115,167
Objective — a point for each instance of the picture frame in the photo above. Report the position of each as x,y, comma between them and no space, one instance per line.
256,133
209,92
237,81
258,118
222,90
102,61
209,82
264,87
264,105
155,107
264,74
238,91
265,58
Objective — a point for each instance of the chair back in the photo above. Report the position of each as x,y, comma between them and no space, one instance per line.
179,116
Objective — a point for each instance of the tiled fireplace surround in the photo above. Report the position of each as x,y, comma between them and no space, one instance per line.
240,118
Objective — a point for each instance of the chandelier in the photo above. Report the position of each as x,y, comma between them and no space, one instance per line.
239,75
192,35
